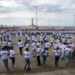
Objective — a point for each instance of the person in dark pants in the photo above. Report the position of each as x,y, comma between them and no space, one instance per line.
20,45
12,56
5,44
20,50
56,60
6,63
38,55
9,45
45,54
73,51
38,60
57,55
4,56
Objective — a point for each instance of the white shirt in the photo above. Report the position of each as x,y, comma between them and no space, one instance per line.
52,39
41,38
69,41
38,44
60,45
5,43
12,52
63,47
20,44
33,38
63,39
9,43
57,40
26,46
4,55
0,43
0,36
34,45
57,52
55,46
68,50
38,51
27,54
45,52
28,38
66,35
47,45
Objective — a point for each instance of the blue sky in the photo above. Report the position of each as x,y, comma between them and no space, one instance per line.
20,12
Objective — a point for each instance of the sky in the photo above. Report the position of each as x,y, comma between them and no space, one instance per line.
49,12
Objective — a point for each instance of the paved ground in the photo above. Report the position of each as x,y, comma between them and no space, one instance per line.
36,70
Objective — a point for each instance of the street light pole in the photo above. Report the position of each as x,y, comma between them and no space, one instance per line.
36,16
74,19
49,20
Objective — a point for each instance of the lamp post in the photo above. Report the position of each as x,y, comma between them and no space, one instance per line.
36,16
49,20
74,19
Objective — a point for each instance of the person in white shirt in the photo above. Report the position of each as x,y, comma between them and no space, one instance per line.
33,46
73,51
57,55
38,43
63,40
27,55
52,40
5,44
45,39
9,45
4,56
4,35
45,54
55,46
10,37
63,48
26,45
20,45
68,41
38,51
33,38
66,35
16,34
67,54
57,41
41,39
0,45
26,36
20,33
70,36
47,45
28,39
0,37
12,56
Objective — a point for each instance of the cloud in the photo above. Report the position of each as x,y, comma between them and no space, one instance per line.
21,11
8,3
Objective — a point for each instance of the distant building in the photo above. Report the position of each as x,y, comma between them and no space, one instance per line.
32,26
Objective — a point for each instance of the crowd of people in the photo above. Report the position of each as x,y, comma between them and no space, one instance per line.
60,44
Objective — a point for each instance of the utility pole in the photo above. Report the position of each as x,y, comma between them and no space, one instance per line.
36,16
74,19
49,20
